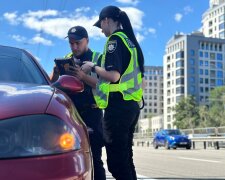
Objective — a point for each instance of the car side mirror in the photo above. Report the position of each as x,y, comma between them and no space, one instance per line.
69,84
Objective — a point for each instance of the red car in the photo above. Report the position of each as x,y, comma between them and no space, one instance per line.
41,134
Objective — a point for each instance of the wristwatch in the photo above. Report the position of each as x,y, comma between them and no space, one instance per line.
93,68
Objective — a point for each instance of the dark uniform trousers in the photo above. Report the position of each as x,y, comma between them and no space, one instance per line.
118,127
93,119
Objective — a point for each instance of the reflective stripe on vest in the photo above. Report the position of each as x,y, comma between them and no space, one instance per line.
130,82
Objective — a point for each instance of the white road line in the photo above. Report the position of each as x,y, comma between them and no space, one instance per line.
203,160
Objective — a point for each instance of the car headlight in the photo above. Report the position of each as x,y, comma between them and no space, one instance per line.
36,135
172,138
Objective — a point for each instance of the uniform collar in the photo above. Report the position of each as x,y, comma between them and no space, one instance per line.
87,56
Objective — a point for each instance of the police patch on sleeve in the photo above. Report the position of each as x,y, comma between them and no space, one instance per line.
112,46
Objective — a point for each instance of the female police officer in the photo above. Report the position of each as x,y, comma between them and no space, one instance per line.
119,89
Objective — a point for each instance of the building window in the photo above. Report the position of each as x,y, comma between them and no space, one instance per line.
219,82
192,89
192,61
219,56
206,63
180,54
206,72
201,89
219,74
206,81
206,89
221,26
179,81
180,90
222,34
155,77
200,54
201,80
219,65
201,71
179,72
192,52
212,56
221,18
180,63
206,54
192,79
200,63
192,70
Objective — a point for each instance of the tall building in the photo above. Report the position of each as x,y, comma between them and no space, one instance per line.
153,93
213,20
193,65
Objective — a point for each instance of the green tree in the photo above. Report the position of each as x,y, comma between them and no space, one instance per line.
186,113
205,118
217,107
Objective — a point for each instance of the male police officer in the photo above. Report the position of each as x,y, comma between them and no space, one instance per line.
84,102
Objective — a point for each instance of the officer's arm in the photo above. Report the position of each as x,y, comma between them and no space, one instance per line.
112,76
89,80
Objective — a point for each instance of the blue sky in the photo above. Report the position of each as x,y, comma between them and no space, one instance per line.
40,26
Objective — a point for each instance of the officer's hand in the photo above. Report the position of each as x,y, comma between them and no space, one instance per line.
56,71
76,72
86,67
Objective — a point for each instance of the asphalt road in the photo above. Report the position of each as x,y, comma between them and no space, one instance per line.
178,164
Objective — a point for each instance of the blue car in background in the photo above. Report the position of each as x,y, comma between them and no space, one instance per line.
171,138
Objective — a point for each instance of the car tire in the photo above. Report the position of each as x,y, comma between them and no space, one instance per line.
155,145
174,147
167,145
188,147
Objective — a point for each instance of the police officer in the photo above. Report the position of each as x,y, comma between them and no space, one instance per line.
84,102
119,89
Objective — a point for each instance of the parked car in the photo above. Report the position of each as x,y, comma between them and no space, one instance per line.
41,134
171,138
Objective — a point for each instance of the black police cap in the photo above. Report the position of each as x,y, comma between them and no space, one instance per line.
108,12
77,33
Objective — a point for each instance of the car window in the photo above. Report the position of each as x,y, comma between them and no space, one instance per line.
173,132
17,66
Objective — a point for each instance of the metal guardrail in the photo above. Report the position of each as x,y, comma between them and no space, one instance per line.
200,132
214,136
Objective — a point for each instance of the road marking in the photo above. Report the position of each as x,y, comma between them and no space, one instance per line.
203,160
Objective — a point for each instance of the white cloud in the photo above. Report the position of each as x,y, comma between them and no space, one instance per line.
18,38
152,30
188,9
37,39
130,2
41,13
139,37
135,15
11,17
57,24
82,9
178,17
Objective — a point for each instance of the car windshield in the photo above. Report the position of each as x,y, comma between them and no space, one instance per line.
18,67
173,132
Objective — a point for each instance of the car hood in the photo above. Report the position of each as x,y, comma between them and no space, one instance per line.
179,136
23,99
